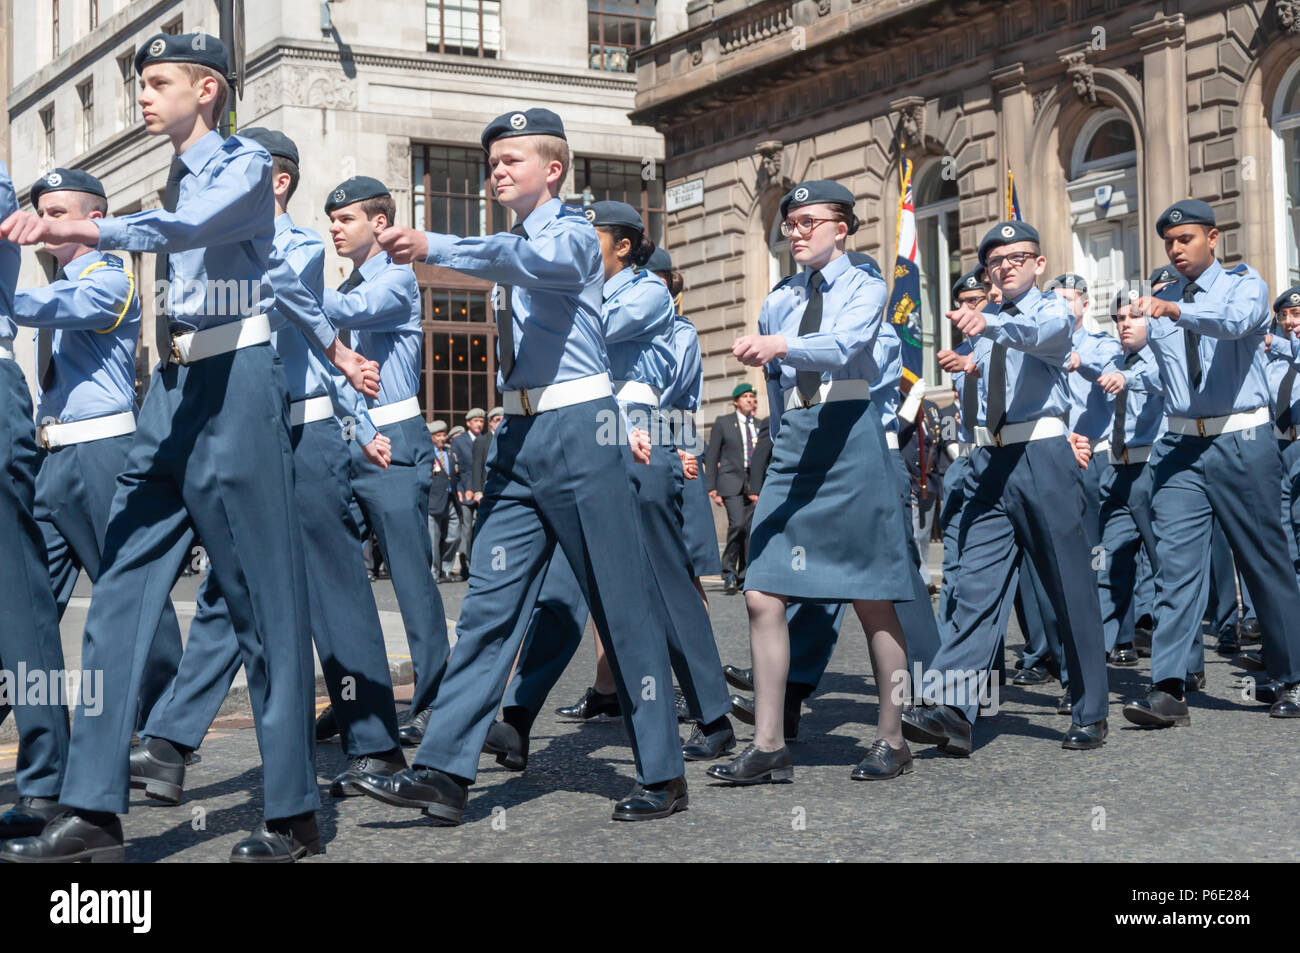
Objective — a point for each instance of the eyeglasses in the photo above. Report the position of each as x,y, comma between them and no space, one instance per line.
803,226
1015,260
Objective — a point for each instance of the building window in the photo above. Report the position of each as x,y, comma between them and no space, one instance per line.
636,183
451,192
54,7
47,127
615,28
938,237
174,28
463,27
130,109
86,94
1286,178
94,14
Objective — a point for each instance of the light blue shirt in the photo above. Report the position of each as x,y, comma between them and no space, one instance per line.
1144,410
95,317
853,308
1038,345
959,384
1090,406
556,277
385,311
218,241
11,258
1231,313
638,316
305,368
683,393
1280,356
887,355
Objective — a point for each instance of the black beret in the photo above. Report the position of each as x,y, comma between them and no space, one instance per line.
1124,297
614,213
968,282
1068,280
529,122
66,180
1006,233
356,189
659,261
1288,299
1163,275
818,192
1186,212
273,141
201,49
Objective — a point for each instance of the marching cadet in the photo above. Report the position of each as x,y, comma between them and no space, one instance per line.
816,333
211,454
30,633
88,321
1136,426
1007,519
344,618
1205,332
553,373
381,301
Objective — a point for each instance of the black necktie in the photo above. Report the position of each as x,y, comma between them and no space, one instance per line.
45,348
1192,341
1117,442
996,414
162,337
506,322
970,403
807,382
1284,399
350,282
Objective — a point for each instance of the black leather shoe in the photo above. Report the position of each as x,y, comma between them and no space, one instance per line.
158,779
742,678
883,762
1086,737
508,744
683,709
593,706
1287,704
752,766
1249,630
1251,661
1229,643
1194,682
1031,676
1158,710
411,734
649,802
28,817
743,709
437,794
1124,656
729,587
1266,693
1142,642
69,838
327,726
938,725
281,841
707,745
382,764
1065,704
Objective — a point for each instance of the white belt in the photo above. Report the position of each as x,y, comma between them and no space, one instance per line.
1213,426
1040,429
957,450
1287,435
829,392
196,345
636,392
399,410
536,400
891,440
7,348
1132,455
83,431
310,410
1100,446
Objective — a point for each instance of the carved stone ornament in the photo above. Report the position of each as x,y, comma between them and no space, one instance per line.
1081,75
911,117
398,173
770,153
1288,16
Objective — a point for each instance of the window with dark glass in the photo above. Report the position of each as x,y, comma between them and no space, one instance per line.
126,69
463,27
615,28
639,184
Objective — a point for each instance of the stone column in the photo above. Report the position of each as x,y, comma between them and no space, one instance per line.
1164,159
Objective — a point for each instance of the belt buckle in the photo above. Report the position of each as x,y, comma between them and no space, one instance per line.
523,400
176,354
1125,456
45,440
1200,426
997,438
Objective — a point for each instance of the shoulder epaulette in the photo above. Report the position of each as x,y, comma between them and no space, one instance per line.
1241,269
782,283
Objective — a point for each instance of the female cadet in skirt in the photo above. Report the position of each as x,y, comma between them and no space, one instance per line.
827,524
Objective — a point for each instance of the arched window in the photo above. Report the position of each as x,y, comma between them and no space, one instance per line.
1103,208
1286,178
938,236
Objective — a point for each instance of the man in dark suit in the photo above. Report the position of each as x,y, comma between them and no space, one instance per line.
739,449
462,447
444,516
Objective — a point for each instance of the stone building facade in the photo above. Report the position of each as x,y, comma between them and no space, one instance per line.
396,89
1104,111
